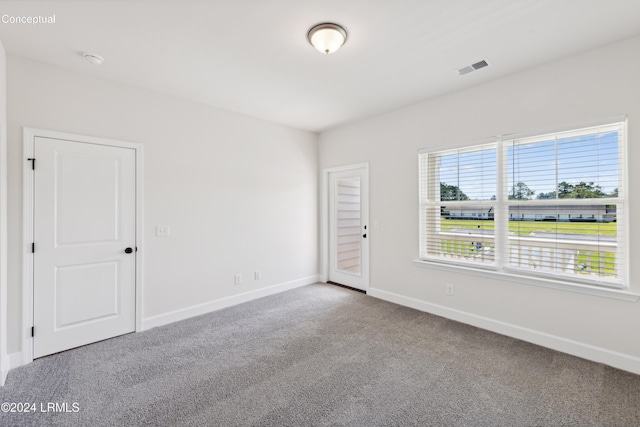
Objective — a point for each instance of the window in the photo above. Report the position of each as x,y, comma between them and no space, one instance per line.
457,185
545,205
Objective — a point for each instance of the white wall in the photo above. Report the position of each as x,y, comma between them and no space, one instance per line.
594,85
240,194
3,217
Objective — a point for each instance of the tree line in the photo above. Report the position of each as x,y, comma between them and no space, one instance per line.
521,191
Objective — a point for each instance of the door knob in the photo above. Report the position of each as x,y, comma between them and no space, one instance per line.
128,250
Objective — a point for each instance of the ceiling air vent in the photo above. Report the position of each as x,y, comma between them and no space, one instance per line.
465,70
480,64
473,67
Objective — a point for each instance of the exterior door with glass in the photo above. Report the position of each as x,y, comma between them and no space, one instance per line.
348,228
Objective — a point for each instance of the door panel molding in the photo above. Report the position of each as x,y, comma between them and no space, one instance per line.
325,218
28,194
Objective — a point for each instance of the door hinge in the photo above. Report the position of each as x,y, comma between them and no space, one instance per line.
33,248
33,330
33,163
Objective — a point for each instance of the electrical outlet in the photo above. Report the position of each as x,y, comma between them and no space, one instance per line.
163,231
238,279
449,290
257,275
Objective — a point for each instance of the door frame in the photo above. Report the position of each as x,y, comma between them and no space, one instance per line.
29,135
4,355
324,221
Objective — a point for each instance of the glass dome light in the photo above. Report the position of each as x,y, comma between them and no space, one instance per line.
327,37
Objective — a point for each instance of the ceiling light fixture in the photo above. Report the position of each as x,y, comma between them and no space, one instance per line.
327,37
93,58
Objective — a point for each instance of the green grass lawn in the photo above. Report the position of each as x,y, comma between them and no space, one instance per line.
526,227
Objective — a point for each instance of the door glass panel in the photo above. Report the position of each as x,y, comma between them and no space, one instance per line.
348,226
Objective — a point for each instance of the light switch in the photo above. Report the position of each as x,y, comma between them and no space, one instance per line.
162,231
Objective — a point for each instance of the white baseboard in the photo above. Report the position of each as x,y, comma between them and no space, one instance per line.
13,360
4,370
207,307
575,348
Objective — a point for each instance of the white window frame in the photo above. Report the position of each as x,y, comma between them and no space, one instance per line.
617,289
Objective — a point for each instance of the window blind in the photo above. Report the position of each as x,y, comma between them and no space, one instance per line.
564,202
457,204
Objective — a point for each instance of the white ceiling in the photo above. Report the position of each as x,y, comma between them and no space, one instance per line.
252,56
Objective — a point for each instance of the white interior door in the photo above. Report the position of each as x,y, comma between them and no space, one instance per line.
84,244
348,230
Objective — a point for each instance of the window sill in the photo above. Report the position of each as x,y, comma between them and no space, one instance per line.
618,294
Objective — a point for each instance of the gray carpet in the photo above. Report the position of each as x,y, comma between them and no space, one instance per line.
321,355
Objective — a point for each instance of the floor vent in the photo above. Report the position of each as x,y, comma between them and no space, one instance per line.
473,67
346,287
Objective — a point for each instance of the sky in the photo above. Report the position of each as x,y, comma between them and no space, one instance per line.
539,164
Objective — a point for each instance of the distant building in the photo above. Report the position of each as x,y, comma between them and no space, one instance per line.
562,213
